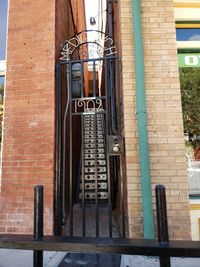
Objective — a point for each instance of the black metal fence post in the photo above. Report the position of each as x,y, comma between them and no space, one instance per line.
162,224
38,223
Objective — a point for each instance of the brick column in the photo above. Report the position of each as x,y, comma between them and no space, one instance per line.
28,130
165,126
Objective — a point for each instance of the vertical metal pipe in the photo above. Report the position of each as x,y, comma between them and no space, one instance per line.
57,197
119,128
64,147
82,79
83,173
38,224
162,224
112,98
107,148
94,78
148,220
96,177
71,155
119,114
110,19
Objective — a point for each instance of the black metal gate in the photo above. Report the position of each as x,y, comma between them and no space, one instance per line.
89,184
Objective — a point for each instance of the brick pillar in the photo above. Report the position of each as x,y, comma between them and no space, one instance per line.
165,125
28,130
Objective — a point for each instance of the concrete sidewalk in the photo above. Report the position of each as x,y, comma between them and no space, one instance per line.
144,261
24,258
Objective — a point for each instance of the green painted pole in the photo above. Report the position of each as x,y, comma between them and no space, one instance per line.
148,218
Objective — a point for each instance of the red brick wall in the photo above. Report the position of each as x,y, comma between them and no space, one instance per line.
28,131
62,27
36,32
64,24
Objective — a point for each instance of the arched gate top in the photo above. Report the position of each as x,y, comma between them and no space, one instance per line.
83,46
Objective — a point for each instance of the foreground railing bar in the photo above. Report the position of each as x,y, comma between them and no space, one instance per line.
162,222
38,224
102,245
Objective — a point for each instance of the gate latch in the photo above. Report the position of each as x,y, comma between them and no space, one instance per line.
115,143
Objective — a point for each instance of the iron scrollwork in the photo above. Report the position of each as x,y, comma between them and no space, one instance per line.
88,105
80,47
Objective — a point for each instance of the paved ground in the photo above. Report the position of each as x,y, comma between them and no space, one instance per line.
20,258
90,260
139,261
90,221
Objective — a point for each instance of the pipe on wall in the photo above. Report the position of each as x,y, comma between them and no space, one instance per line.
148,218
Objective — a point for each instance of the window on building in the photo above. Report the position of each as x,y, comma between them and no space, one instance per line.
188,40
3,28
3,33
188,34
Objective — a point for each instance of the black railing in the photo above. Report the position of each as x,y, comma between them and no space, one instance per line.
38,224
164,248
162,223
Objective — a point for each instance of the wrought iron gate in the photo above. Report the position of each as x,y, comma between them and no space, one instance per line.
89,183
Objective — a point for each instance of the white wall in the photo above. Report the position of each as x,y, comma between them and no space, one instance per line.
195,216
2,67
